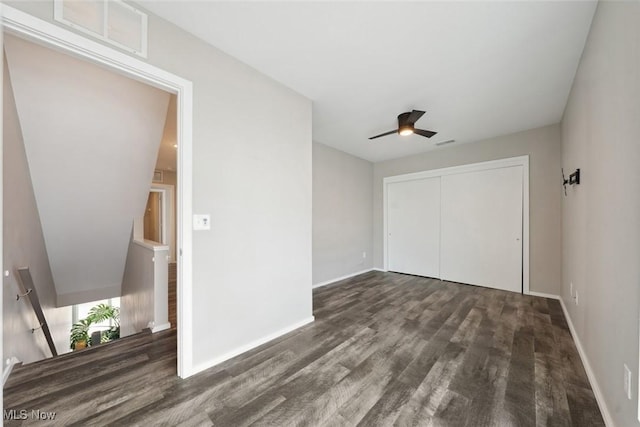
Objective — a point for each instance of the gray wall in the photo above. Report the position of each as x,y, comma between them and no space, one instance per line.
601,216
342,220
252,173
23,246
543,147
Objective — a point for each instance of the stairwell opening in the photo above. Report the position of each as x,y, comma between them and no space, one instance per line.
81,149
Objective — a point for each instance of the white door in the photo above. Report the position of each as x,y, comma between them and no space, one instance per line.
482,228
413,227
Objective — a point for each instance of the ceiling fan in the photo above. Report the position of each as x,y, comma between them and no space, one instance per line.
406,122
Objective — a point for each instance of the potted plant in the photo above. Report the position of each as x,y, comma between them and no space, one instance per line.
102,312
80,330
80,334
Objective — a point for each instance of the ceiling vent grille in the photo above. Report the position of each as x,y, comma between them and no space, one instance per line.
112,21
446,142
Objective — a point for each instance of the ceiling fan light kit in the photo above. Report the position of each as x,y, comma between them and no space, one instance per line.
406,122
405,131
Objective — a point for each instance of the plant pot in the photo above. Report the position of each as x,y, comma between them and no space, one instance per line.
80,345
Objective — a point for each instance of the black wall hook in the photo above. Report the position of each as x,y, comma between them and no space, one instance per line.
574,179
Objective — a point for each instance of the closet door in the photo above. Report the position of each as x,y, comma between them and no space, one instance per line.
482,228
413,227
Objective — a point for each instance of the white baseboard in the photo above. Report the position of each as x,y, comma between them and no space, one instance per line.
544,295
11,362
337,279
161,327
217,360
379,269
587,367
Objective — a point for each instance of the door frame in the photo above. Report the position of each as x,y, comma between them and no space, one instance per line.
472,167
25,26
164,236
162,216
168,203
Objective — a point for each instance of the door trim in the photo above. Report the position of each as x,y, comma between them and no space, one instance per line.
472,167
168,208
28,27
164,236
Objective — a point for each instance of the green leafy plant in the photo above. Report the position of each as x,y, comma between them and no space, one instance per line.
80,334
97,314
110,334
102,312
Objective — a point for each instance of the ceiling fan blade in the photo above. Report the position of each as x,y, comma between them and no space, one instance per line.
427,133
384,134
414,116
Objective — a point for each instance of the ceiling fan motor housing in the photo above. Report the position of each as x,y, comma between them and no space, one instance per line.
404,128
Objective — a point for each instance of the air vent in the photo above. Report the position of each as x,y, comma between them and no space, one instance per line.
111,21
446,142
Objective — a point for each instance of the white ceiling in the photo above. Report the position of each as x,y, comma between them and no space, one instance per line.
479,69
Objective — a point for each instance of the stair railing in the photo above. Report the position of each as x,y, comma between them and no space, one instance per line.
25,284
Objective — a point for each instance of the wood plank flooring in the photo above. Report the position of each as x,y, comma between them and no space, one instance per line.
385,349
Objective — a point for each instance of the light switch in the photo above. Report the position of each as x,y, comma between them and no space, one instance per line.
202,222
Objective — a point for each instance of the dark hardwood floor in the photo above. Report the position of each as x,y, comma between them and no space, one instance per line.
385,349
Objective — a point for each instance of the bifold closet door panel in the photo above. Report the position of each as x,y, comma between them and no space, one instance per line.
413,227
482,228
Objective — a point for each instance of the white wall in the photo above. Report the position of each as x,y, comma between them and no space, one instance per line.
145,295
91,138
252,173
23,246
543,147
342,219
601,216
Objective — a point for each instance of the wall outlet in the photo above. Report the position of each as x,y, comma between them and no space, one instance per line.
201,222
627,381
364,254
